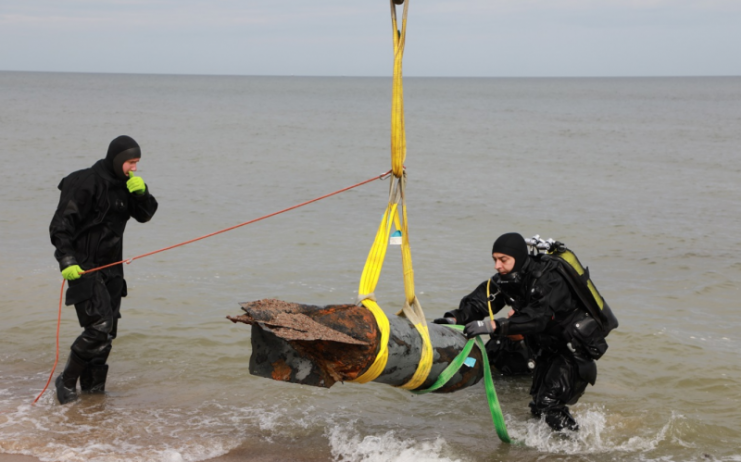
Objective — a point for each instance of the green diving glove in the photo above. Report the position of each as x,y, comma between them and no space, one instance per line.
72,272
136,184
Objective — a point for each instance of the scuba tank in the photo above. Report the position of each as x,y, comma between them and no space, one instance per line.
588,331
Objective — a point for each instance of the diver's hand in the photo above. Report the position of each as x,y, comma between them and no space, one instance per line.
72,272
445,320
136,184
475,328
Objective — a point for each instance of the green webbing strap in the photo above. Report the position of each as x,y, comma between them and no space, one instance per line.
491,393
450,370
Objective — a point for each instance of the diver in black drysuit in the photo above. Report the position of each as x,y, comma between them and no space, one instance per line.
87,230
545,309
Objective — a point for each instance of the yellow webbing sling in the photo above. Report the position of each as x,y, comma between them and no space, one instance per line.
371,272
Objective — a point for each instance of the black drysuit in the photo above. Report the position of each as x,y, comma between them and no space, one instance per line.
87,230
509,355
545,308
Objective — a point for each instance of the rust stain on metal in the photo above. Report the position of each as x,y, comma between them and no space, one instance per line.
292,321
341,341
281,371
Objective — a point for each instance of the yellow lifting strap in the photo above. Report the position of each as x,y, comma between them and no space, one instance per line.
371,272
368,282
398,134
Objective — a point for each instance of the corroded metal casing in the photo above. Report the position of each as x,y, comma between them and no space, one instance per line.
320,346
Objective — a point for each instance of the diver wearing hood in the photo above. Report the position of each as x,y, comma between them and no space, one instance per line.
543,307
87,231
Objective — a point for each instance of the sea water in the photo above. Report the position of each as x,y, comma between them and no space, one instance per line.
640,177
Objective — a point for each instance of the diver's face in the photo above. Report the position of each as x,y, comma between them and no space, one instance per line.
503,263
130,166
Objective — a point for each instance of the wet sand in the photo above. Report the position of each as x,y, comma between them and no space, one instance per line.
264,453
17,458
237,455
243,455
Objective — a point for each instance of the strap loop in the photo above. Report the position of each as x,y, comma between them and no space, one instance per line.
491,393
362,297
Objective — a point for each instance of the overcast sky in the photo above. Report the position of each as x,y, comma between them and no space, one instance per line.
353,37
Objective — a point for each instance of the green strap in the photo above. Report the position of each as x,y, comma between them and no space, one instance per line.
449,371
491,393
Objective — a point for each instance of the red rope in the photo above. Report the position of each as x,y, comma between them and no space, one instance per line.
56,359
61,294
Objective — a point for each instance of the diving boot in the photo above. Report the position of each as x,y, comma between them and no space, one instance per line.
93,378
66,383
560,420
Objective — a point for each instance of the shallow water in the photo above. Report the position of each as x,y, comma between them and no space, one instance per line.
638,176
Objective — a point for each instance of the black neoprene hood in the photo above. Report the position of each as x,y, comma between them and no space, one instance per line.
512,244
120,150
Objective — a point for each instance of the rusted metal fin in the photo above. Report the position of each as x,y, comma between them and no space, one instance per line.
297,326
293,321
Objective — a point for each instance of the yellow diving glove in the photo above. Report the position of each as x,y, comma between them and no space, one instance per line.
136,184
72,272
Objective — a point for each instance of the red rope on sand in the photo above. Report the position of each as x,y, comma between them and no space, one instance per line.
61,294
